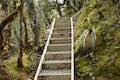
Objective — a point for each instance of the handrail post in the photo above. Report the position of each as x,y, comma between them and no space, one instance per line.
44,52
72,50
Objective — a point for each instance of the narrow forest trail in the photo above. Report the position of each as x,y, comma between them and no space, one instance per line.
57,61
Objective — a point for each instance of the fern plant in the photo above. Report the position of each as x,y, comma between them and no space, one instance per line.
87,39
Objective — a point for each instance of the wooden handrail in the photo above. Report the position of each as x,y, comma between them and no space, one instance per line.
44,52
72,50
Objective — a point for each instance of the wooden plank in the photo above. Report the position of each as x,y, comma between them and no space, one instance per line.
55,72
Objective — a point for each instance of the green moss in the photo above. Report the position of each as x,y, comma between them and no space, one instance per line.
102,15
17,73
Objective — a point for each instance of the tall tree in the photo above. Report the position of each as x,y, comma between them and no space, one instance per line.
20,62
6,32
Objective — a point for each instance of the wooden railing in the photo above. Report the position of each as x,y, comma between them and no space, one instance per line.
44,52
72,50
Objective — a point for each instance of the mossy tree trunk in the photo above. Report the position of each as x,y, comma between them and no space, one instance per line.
1,41
6,32
7,20
26,32
20,61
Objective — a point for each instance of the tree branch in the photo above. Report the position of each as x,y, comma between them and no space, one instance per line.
10,17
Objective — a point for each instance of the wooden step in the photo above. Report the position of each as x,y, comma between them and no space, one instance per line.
64,30
59,47
60,52
64,40
60,35
54,72
62,26
61,55
56,64
55,75
65,20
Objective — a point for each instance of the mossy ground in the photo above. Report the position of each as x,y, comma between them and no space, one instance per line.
18,74
102,15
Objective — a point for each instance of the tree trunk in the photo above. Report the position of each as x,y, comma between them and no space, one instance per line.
7,20
26,32
20,62
1,42
6,32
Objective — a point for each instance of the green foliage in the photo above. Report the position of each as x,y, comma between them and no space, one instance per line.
83,68
81,3
101,15
17,73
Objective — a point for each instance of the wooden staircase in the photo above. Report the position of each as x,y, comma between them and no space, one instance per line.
57,61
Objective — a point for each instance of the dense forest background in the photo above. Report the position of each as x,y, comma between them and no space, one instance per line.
25,25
